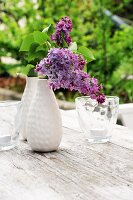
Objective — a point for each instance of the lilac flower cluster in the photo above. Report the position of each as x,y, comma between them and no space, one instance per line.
65,70
62,32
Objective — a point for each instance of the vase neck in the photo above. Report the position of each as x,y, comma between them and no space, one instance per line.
31,81
42,84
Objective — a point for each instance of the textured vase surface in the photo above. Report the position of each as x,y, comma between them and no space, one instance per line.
29,92
44,125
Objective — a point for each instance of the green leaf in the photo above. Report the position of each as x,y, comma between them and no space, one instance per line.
45,47
35,37
32,56
25,70
40,37
26,43
49,29
30,66
87,54
32,52
32,73
29,70
45,30
73,46
33,46
40,48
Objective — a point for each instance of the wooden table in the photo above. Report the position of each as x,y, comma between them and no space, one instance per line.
77,171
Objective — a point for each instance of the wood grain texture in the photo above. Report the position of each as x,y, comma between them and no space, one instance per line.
77,171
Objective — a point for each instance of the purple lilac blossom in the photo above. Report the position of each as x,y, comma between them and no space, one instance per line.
62,31
64,70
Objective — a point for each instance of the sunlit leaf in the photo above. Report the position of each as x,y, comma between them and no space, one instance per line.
49,29
25,46
73,46
40,37
87,54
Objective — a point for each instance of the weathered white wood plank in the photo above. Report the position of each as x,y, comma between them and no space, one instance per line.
77,171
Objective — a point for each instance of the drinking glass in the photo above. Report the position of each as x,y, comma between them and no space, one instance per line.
9,124
97,120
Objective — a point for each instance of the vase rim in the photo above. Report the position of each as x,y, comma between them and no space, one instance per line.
32,77
41,79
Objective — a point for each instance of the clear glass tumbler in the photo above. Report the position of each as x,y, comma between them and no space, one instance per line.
97,120
9,124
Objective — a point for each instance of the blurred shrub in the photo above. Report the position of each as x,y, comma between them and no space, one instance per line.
113,47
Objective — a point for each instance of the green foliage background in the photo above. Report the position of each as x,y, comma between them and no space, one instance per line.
111,45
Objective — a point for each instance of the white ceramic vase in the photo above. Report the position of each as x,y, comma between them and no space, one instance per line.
29,92
44,125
